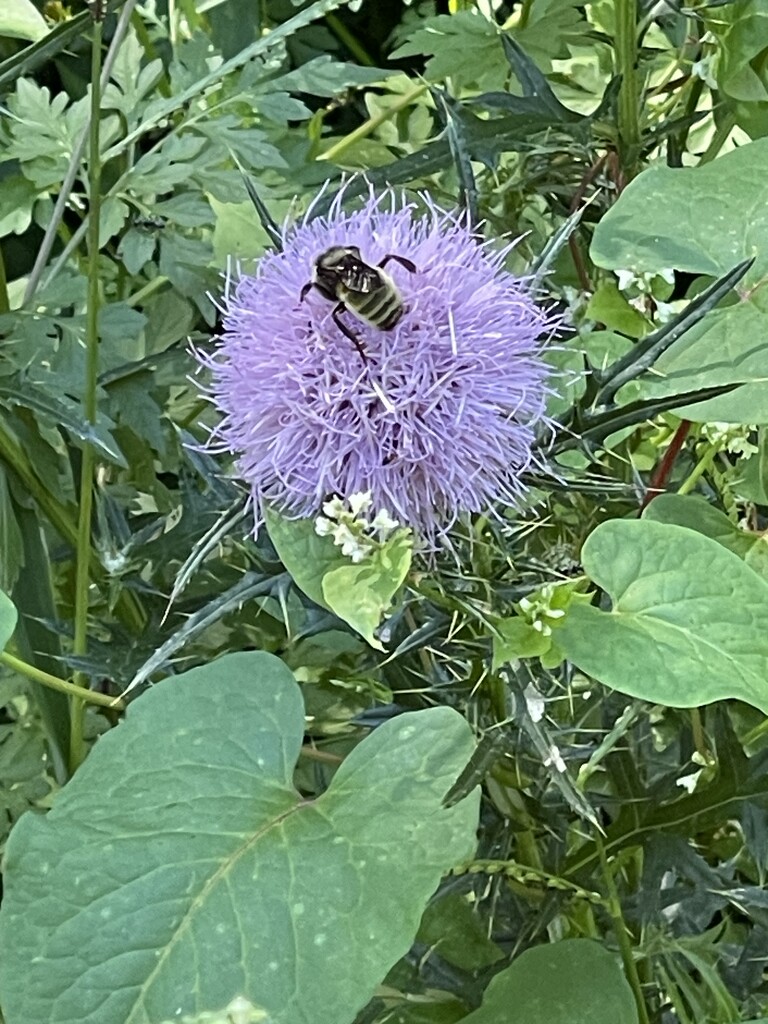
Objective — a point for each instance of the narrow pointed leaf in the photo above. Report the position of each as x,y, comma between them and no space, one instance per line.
225,523
65,414
533,81
267,221
457,140
595,429
645,353
250,586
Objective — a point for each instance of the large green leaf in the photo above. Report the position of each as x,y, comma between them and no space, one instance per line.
181,868
689,623
703,220
697,514
571,982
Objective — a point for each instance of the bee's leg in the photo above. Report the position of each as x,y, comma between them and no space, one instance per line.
408,264
306,290
345,330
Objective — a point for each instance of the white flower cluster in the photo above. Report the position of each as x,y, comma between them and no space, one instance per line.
538,611
733,437
346,522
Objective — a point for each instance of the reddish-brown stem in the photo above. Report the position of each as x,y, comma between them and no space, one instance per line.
576,202
662,472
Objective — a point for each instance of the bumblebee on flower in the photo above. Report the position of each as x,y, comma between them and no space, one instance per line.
436,419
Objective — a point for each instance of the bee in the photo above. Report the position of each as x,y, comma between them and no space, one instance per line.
368,293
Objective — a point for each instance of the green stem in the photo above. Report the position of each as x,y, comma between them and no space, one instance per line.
621,933
80,694
55,220
194,414
525,14
83,570
4,303
13,455
698,471
352,43
626,61
723,130
149,289
365,129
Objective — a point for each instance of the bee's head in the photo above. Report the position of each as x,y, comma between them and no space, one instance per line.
332,266
337,259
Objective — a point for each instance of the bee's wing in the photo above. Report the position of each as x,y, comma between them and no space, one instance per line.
365,279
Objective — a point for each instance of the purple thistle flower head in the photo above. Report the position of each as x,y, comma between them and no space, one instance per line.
435,418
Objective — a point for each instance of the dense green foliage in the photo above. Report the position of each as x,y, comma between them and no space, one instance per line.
523,779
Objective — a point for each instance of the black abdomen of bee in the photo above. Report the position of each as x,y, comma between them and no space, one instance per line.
383,308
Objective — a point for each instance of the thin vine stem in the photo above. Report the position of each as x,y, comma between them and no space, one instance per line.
62,685
369,126
83,569
621,932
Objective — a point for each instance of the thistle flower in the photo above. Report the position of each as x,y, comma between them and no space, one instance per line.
436,418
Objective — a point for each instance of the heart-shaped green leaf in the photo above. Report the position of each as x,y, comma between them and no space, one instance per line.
657,223
689,623
359,594
180,868
697,514
576,981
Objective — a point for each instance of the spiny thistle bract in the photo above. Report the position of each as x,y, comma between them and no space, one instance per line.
438,418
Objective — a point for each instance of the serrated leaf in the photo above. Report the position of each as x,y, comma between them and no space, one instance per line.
181,97
17,197
183,867
323,76
458,45
575,981
689,623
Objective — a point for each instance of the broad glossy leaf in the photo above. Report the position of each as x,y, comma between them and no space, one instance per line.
576,981
703,220
180,867
697,514
689,623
